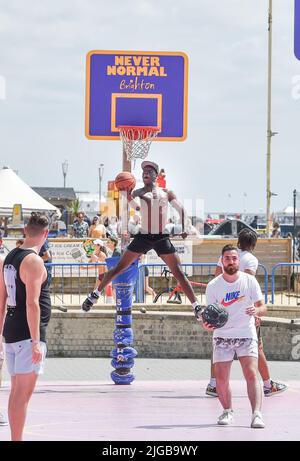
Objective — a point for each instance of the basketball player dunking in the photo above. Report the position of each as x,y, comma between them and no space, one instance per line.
154,213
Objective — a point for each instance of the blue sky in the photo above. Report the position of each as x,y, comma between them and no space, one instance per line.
223,161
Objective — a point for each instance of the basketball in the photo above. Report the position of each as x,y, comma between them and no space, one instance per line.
125,181
215,315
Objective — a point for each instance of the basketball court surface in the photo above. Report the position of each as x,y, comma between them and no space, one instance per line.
153,407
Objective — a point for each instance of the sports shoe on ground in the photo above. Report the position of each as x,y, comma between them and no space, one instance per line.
226,418
90,301
210,390
3,420
276,388
257,421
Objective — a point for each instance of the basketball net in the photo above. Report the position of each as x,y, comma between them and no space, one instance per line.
137,140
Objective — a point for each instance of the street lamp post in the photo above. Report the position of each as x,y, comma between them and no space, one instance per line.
101,171
65,166
229,204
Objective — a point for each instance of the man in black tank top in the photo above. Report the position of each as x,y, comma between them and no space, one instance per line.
25,310
3,419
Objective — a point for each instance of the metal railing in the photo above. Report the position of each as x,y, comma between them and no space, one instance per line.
168,289
71,282
205,273
288,291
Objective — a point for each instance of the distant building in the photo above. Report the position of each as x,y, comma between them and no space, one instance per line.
61,197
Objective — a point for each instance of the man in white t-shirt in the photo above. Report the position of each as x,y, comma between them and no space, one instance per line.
248,263
241,295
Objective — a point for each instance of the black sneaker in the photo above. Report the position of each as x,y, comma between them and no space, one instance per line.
276,388
90,301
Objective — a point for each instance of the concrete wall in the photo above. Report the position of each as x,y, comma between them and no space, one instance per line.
157,335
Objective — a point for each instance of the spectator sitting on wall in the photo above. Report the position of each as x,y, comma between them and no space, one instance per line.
80,227
97,230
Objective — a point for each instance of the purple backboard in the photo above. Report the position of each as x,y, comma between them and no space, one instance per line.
138,88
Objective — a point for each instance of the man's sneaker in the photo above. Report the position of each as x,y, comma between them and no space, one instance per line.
226,418
257,421
3,420
210,390
90,301
276,388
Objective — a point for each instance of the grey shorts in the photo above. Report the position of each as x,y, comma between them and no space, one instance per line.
19,358
225,348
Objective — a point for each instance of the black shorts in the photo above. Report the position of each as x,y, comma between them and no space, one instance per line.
161,243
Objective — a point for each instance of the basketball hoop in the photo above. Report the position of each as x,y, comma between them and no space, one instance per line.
137,140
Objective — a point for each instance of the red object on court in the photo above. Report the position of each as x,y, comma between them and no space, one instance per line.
125,181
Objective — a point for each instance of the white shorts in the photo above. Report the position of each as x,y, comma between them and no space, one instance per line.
225,348
19,358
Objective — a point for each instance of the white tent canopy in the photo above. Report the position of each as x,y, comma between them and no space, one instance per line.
15,191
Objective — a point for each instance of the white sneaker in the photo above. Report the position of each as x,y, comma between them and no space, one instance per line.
3,420
226,418
257,420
